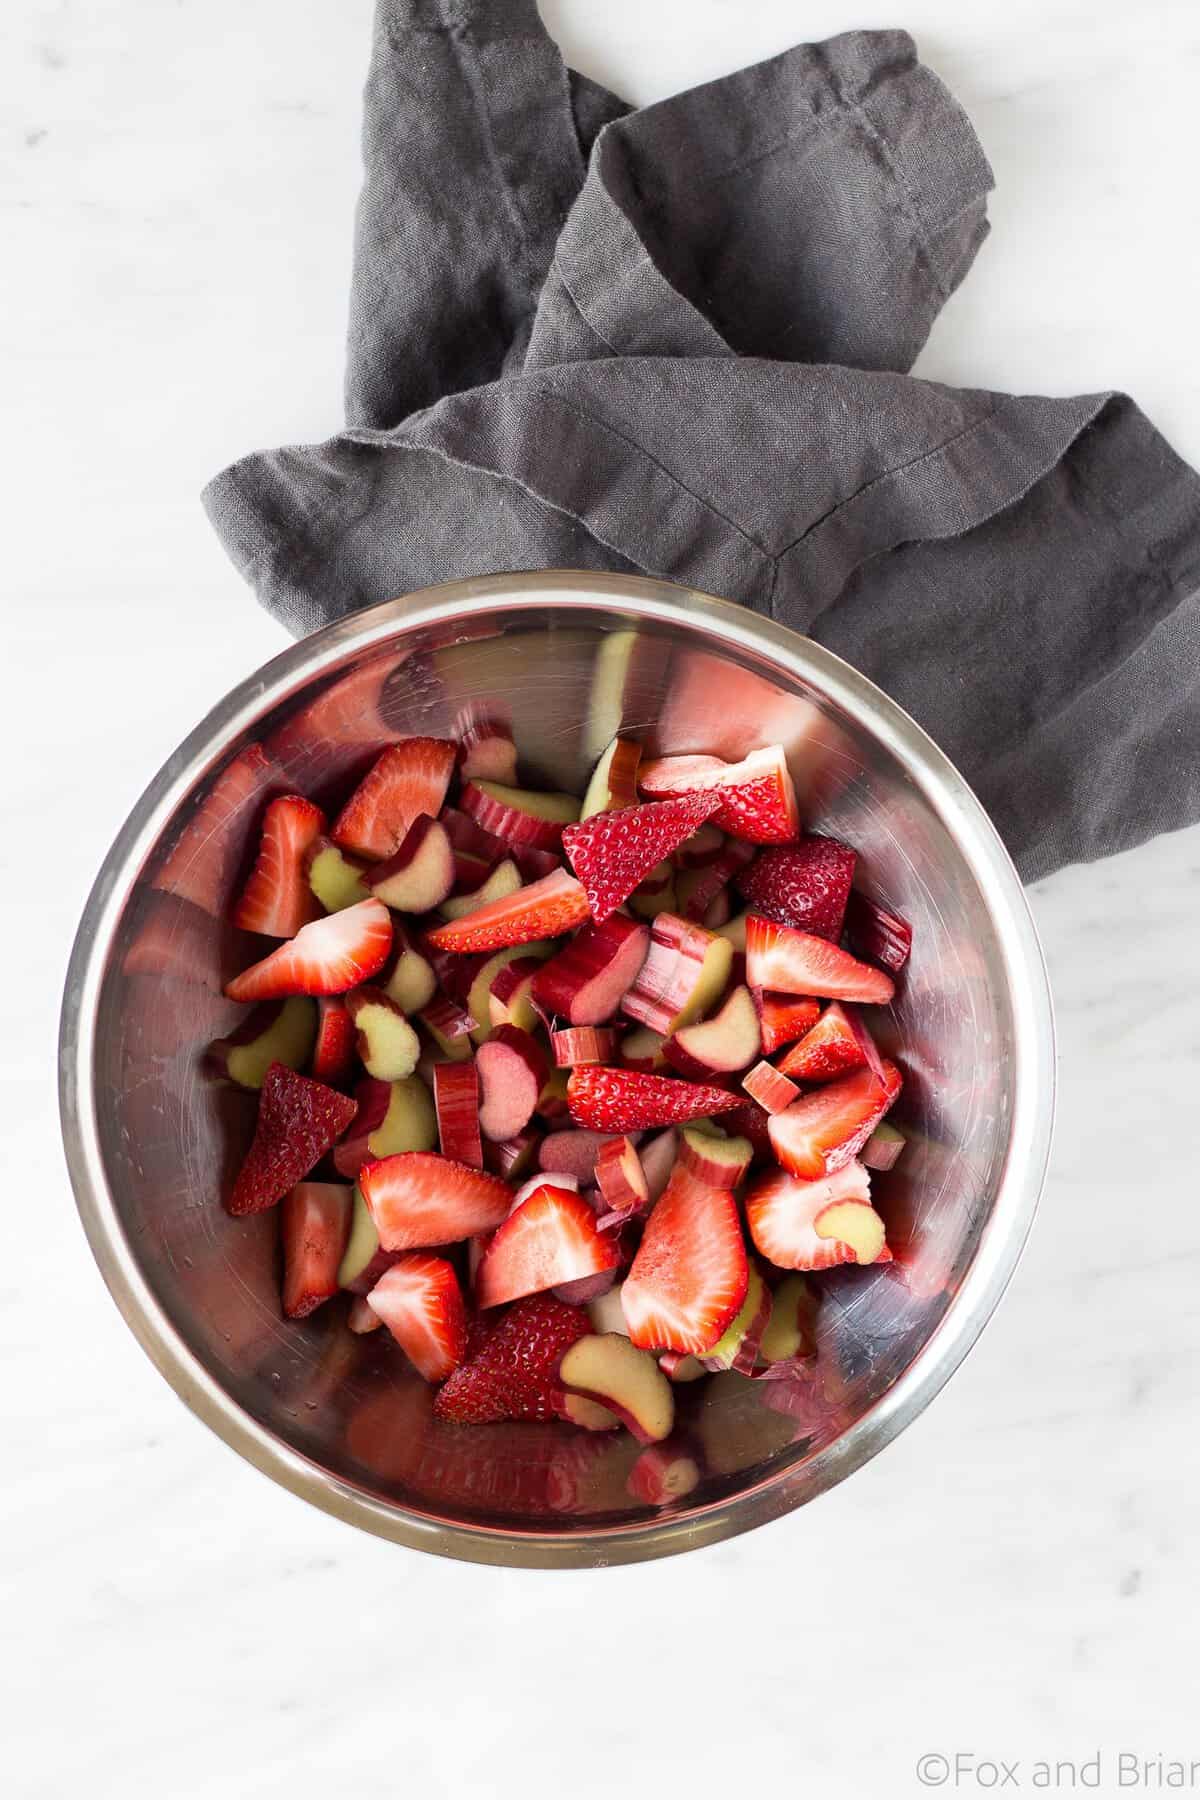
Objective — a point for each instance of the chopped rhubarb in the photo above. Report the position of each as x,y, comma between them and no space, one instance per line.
582,1044
773,1091
512,1069
456,1098
588,979
518,815
877,934
722,1045
686,968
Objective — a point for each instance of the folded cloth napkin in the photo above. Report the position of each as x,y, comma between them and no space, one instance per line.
673,341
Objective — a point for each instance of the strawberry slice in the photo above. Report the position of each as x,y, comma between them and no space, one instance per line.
550,1239
822,1131
421,1303
797,962
298,1121
327,957
277,900
690,1274
783,1018
418,1198
409,779
758,801
616,1100
314,1223
545,908
613,851
805,885
782,1213
333,1049
830,1048
513,1374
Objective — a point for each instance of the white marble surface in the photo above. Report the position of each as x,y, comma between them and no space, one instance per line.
1016,1575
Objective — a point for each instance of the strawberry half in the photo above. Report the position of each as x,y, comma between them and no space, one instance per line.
555,904
314,1224
831,1048
333,1049
758,801
514,1372
549,1240
298,1121
409,779
781,1212
690,1274
421,1303
327,957
277,900
617,1100
418,1198
783,1018
613,851
805,885
798,962
823,1130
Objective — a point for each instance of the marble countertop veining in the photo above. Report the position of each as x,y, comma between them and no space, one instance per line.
1014,1577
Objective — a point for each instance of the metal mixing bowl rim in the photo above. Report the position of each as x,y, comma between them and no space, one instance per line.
1021,1180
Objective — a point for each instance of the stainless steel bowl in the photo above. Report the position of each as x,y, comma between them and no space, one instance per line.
572,657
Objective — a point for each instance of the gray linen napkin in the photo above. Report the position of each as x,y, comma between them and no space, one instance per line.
674,341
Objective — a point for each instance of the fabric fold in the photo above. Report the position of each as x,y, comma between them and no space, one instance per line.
676,341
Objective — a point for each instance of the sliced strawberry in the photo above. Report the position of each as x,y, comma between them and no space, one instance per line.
783,1018
613,851
513,1373
616,1100
329,956
298,1121
421,1303
823,1130
409,779
805,885
831,1048
550,1239
690,1274
781,1212
314,1223
208,857
797,962
333,1051
277,900
418,1198
758,801
545,908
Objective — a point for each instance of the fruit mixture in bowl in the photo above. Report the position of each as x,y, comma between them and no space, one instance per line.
575,1099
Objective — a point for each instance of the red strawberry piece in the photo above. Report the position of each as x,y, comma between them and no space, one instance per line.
690,1274
823,1130
409,779
329,956
783,1018
298,1121
277,900
831,1048
758,801
513,1374
314,1223
797,962
616,1100
806,884
333,1051
548,1240
208,857
419,1198
555,904
613,851
421,1303
781,1212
